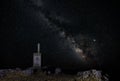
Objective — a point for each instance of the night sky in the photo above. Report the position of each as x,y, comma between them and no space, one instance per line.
72,33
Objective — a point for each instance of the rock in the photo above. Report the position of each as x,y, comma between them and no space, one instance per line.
86,74
28,71
2,73
48,72
79,73
57,70
17,69
97,74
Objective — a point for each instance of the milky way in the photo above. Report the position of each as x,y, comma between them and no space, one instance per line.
68,33
48,18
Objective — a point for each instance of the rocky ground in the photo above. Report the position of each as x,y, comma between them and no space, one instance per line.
28,75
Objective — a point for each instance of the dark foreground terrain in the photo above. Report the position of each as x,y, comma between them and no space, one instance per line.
28,75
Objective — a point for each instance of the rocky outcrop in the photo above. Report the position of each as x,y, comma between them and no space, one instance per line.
93,73
90,75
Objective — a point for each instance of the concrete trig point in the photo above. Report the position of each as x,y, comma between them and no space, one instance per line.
37,58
